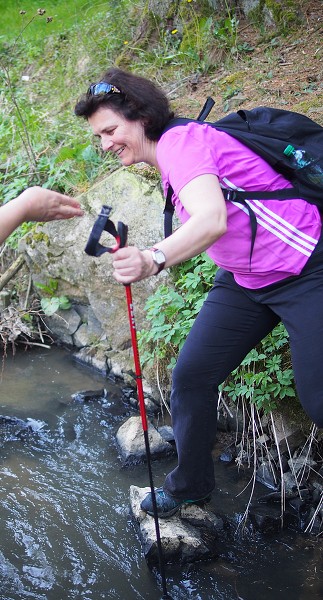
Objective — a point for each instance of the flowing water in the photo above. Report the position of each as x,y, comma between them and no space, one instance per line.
64,505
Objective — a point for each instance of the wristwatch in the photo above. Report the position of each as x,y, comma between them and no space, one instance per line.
159,258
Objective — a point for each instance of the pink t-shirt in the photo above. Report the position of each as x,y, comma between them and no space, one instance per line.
287,230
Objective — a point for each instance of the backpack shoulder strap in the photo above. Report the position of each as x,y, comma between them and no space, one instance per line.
168,213
169,208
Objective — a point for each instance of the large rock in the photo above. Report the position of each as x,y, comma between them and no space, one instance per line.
56,251
286,434
190,535
131,441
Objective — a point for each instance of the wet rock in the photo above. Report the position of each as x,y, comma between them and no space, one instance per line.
63,324
312,520
266,519
271,498
317,492
290,485
228,455
150,406
131,441
92,358
167,433
288,436
88,395
14,428
186,537
200,517
266,476
299,505
230,417
262,439
301,463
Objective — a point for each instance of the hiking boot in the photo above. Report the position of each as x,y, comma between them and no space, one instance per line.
166,505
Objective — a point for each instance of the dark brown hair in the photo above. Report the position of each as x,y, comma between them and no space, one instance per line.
140,99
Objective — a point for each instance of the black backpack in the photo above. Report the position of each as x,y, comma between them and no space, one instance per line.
267,131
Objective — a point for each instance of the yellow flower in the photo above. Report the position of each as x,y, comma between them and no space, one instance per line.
126,42
174,31
189,0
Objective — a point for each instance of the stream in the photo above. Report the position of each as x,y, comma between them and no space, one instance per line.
65,527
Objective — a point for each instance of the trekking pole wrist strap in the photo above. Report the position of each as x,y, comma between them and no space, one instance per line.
103,223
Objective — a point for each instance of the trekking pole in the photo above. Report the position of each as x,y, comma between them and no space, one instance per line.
94,248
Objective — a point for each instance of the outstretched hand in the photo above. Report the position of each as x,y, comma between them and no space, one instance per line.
45,205
36,204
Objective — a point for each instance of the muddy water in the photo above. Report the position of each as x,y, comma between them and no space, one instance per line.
64,512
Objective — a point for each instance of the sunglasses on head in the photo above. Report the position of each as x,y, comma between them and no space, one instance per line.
102,88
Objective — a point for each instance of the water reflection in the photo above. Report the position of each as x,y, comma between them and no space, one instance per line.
65,528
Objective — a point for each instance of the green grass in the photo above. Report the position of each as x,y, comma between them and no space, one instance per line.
44,68
65,15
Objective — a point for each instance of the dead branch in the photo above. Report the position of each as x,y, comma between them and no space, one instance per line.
13,269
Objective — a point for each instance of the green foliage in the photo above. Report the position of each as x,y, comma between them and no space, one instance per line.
226,33
52,303
45,63
171,310
13,240
41,75
265,375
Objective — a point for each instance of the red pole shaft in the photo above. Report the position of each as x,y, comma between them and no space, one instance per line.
133,332
143,415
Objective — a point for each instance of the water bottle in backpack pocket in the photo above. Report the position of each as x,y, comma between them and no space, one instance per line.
312,168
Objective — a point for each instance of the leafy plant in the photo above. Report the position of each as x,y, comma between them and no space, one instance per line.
265,375
226,30
53,303
172,309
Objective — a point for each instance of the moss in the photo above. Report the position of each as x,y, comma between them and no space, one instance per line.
308,106
235,79
86,205
285,14
149,173
36,237
310,102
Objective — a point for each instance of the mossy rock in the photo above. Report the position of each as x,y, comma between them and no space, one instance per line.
312,107
234,79
283,14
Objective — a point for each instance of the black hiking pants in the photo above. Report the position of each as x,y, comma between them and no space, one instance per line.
232,321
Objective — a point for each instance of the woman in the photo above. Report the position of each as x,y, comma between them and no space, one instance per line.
36,204
283,282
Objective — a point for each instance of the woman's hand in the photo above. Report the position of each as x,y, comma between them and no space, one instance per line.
131,264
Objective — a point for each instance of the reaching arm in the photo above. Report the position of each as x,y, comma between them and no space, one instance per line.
203,200
36,204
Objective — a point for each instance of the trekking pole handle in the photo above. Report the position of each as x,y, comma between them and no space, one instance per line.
103,223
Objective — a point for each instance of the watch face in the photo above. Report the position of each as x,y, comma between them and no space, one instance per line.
159,257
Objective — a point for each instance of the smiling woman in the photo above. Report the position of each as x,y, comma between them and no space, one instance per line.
131,116
126,139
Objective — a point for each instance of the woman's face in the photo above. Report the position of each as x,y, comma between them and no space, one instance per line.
124,138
